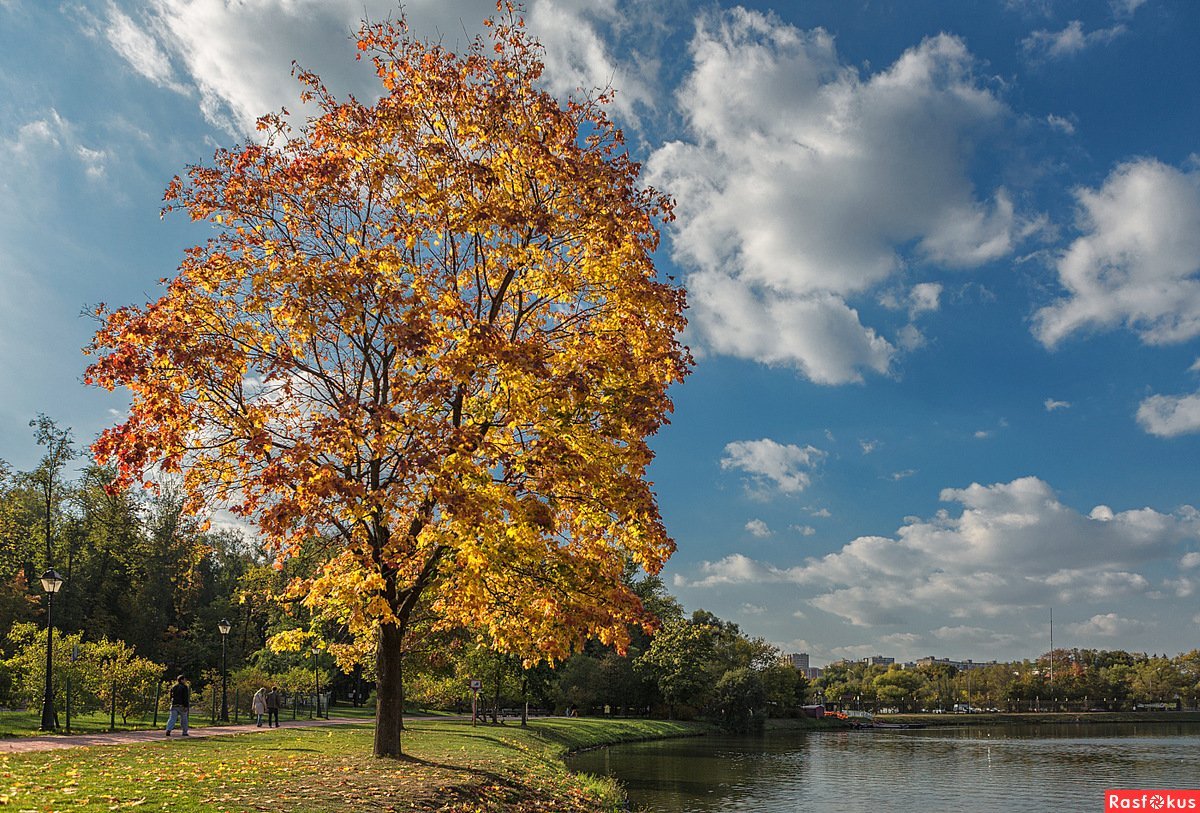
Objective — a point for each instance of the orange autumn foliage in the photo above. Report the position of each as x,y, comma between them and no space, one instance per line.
429,329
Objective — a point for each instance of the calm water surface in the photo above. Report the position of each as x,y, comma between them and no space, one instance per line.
1034,768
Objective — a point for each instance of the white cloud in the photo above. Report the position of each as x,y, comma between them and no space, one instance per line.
1052,405
1061,124
733,569
896,476
576,35
36,143
921,298
1190,560
1136,263
1012,546
1107,625
238,56
139,48
1125,8
1030,8
804,530
771,465
758,529
1170,415
1044,45
800,193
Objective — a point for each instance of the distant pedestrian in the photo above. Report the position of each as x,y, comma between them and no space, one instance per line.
181,704
259,704
273,707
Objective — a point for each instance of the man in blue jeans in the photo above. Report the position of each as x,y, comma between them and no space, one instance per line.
181,702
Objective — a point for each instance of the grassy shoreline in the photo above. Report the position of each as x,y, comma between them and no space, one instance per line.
449,766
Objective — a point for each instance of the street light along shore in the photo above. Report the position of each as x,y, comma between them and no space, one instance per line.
223,626
52,582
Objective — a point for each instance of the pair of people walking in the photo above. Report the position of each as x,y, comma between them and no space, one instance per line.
266,702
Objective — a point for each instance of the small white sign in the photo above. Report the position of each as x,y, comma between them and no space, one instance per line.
476,685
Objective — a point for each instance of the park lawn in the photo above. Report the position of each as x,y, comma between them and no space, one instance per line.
449,766
28,723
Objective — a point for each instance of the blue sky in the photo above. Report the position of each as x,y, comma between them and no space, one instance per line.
943,262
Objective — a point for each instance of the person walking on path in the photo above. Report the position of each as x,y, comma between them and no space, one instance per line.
273,707
259,704
181,703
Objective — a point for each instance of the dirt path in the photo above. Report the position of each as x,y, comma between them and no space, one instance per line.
16,745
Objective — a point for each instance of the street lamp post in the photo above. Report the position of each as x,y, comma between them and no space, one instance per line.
223,626
51,583
317,677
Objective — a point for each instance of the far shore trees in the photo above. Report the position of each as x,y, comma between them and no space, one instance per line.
428,330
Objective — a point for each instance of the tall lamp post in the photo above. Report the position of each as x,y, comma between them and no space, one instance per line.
317,676
51,583
224,626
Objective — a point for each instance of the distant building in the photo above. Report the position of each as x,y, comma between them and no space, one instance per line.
879,660
961,666
798,660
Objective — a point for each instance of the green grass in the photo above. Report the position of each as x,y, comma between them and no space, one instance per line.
449,766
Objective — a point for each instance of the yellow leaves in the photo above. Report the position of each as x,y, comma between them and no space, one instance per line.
435,338
295,640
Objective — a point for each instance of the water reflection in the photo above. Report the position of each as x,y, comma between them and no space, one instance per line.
1061,768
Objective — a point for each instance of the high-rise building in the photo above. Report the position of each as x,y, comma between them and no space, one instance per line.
799,660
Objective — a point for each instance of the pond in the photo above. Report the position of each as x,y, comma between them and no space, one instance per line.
985,768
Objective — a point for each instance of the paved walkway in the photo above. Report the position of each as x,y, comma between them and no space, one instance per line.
17,745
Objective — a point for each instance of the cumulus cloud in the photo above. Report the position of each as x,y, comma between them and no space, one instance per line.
1045,45
800,182
1107,625
237,57
1136,263
1011,546
579,38
758,529
771,465
733,569
1170,415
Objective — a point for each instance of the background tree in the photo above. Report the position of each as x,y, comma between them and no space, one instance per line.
678,661
47,477
740,698
430,331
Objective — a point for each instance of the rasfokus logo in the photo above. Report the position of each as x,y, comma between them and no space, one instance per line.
1151,800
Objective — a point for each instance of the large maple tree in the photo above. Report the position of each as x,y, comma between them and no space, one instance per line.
430,331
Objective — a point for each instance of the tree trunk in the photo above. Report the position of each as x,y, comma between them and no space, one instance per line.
389,694
525,698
